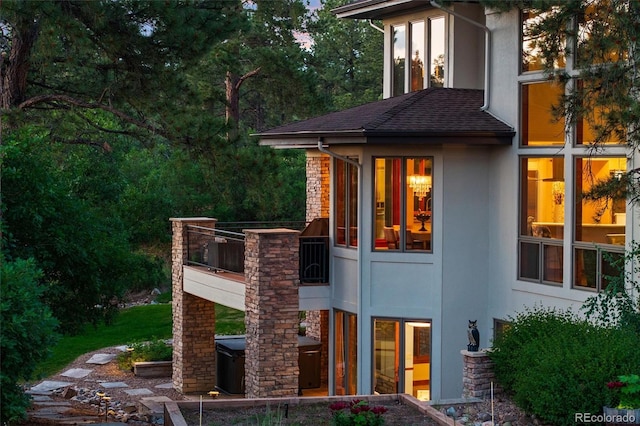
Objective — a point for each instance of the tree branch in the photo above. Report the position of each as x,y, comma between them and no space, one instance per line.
32,102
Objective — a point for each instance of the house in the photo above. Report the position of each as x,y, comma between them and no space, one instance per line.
456,198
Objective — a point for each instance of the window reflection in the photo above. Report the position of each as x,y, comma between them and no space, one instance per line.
532,59
398,55
436,50
417,60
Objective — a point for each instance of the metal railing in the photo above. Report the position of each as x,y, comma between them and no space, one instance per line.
314,260
216,249
222,249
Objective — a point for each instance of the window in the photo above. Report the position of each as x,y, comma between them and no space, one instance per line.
423,49
398,54
532,59
599,232
604,47
541,219
600,126
538,126
403,203
346,204
402,357
346,353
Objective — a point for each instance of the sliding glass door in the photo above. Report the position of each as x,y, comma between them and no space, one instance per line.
402,357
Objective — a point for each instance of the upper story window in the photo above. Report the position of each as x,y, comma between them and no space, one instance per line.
346,204
594,30
538,127
402,216
600,125
532,58
418,55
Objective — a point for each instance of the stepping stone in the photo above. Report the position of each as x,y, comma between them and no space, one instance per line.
113,385
76,373
101,359
165,385
142,391
122,348
49,386
41,398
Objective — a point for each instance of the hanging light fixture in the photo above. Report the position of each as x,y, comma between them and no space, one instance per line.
420,185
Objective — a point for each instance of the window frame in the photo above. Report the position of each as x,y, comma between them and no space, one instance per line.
346,204
408,23
403,201
543,264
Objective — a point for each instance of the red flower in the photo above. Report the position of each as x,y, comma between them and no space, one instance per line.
340,405
379,410
615,385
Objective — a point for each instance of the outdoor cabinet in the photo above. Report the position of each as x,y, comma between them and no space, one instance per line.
230,365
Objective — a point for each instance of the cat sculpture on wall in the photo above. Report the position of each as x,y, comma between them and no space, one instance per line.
474,336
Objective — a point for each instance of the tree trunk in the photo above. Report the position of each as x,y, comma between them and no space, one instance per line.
232,112
14,69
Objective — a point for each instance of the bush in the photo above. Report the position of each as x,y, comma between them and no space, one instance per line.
26,334
554,364
156,350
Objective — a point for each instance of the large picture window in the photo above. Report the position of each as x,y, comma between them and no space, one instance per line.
542,206
599,232
346,204
403,212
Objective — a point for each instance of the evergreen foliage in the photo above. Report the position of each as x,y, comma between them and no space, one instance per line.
554,364
26,335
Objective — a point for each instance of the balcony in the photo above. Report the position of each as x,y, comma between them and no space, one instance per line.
221,250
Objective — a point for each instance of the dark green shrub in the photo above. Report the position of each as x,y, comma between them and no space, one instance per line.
26,334
555,364
156,350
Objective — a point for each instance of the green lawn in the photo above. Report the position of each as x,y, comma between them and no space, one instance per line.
136,324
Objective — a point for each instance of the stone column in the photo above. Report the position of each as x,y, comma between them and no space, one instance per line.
477,375
271,316
193,318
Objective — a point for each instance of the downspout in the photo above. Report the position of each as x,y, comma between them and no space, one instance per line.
360,254
375,26
487,49
338,156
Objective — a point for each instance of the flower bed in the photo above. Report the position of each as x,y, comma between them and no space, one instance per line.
401,409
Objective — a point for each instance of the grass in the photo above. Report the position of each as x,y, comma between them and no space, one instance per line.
136,324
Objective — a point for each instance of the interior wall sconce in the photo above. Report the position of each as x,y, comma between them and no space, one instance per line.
420,185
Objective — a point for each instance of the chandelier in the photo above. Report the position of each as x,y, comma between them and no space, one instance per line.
420,185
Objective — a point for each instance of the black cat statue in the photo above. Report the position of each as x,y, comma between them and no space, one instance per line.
474,336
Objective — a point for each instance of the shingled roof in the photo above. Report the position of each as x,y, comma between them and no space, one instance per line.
432,116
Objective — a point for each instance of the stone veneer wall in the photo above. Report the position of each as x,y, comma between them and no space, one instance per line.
193,318
318,329
477,375
317,185
271,316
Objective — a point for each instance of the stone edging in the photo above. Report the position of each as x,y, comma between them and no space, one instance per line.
173,414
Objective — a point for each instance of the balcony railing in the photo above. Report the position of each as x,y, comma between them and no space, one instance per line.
222,249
